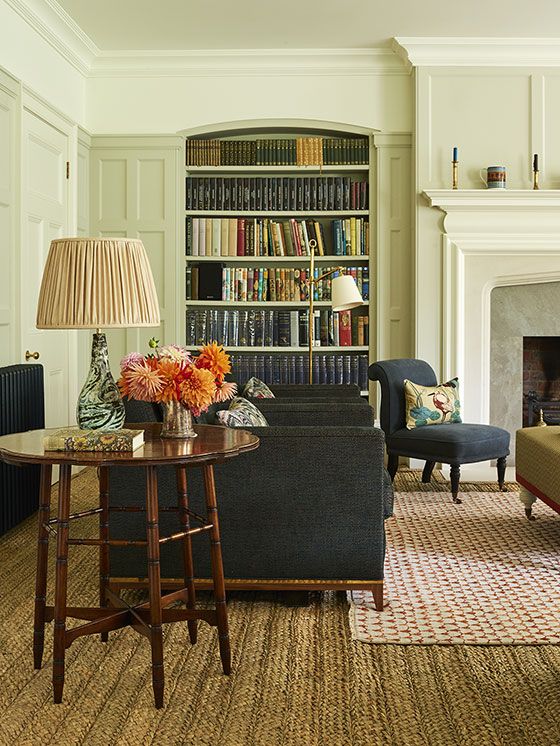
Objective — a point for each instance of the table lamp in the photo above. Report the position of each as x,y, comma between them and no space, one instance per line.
95,283
344,296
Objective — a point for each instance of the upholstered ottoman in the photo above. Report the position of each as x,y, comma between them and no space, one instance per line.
537,466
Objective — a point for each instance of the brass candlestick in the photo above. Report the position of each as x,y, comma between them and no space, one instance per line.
455,174
536,171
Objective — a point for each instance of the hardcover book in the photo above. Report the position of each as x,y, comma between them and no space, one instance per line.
74,439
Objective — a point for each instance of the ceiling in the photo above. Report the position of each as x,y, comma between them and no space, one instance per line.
301,24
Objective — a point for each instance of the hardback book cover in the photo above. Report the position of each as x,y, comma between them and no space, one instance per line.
74,439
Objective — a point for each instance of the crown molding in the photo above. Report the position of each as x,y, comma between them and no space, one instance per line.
246,62
450,51
58,29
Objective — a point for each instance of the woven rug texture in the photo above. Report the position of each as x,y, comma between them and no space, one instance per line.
478,573
298,677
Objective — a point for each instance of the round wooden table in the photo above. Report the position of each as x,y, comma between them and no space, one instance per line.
213,445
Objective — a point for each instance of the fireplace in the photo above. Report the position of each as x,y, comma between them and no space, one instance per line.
541,380
500,282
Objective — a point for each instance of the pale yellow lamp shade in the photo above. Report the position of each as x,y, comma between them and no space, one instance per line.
344,293
97,283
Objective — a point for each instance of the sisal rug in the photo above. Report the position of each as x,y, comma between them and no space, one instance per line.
474,574
298,678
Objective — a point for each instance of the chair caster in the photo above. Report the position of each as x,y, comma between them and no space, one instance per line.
457,500
529,514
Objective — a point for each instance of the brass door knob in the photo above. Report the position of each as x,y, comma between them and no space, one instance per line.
31,355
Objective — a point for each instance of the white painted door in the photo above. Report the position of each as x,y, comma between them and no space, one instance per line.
44,217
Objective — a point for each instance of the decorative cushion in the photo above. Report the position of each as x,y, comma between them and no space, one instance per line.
432,405
256,389
241,413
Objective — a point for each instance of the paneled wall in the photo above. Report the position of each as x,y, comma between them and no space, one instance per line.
495,116
9,181
134,194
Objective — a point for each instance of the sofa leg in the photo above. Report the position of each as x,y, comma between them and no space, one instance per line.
427,471
392,465
455,477
501,465
377,592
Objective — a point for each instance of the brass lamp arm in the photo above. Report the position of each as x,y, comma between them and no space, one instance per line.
315,280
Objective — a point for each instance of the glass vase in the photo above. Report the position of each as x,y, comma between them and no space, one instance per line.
177,421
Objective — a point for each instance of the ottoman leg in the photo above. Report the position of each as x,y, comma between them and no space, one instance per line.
527,498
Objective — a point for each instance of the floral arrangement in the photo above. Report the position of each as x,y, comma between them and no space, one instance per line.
171,373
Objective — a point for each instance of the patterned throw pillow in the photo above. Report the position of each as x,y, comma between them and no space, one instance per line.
256,389
241,413
432,405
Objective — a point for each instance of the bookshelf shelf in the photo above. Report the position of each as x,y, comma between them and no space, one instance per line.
332,259
302,349
260,304
283,246
277,213
264,170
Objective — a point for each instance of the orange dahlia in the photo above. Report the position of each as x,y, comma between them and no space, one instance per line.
169,371
140,381
198,389
214,358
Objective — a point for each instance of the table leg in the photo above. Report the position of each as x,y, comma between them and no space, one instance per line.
217,568
104,536
154,581
188,568
61,580
42,559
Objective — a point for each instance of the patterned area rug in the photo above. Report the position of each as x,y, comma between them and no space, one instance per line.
477,574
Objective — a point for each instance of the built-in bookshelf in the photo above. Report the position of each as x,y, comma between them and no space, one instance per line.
253,204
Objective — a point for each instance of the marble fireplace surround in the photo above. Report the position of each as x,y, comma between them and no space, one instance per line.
491,239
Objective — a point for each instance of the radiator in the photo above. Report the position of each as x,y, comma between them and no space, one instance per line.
22,407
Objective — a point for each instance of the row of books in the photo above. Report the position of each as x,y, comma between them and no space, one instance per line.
294,368
262,328
299,151
276,193
266,237
263,284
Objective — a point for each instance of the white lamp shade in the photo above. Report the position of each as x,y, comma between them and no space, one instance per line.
345,294
97,283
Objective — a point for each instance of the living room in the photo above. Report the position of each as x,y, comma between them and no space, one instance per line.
427,615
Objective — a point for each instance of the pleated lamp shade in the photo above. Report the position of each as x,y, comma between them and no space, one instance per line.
97,283
344,293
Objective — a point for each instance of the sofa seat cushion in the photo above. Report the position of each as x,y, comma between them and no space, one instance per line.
451,443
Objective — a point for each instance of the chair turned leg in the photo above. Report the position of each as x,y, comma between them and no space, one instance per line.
501,466
455,475
392,465
427,471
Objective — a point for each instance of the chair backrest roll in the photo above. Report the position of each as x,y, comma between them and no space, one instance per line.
391,375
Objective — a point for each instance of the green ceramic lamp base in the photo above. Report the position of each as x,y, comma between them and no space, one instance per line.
100,405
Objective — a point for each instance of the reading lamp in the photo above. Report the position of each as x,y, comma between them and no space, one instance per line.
344,296
98,283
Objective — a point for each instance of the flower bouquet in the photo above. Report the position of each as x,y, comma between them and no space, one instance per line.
184,384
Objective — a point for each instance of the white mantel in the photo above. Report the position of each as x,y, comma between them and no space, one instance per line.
490,238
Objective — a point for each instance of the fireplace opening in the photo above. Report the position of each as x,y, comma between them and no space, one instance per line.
541,380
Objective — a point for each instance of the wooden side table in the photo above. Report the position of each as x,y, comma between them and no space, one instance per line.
213,445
